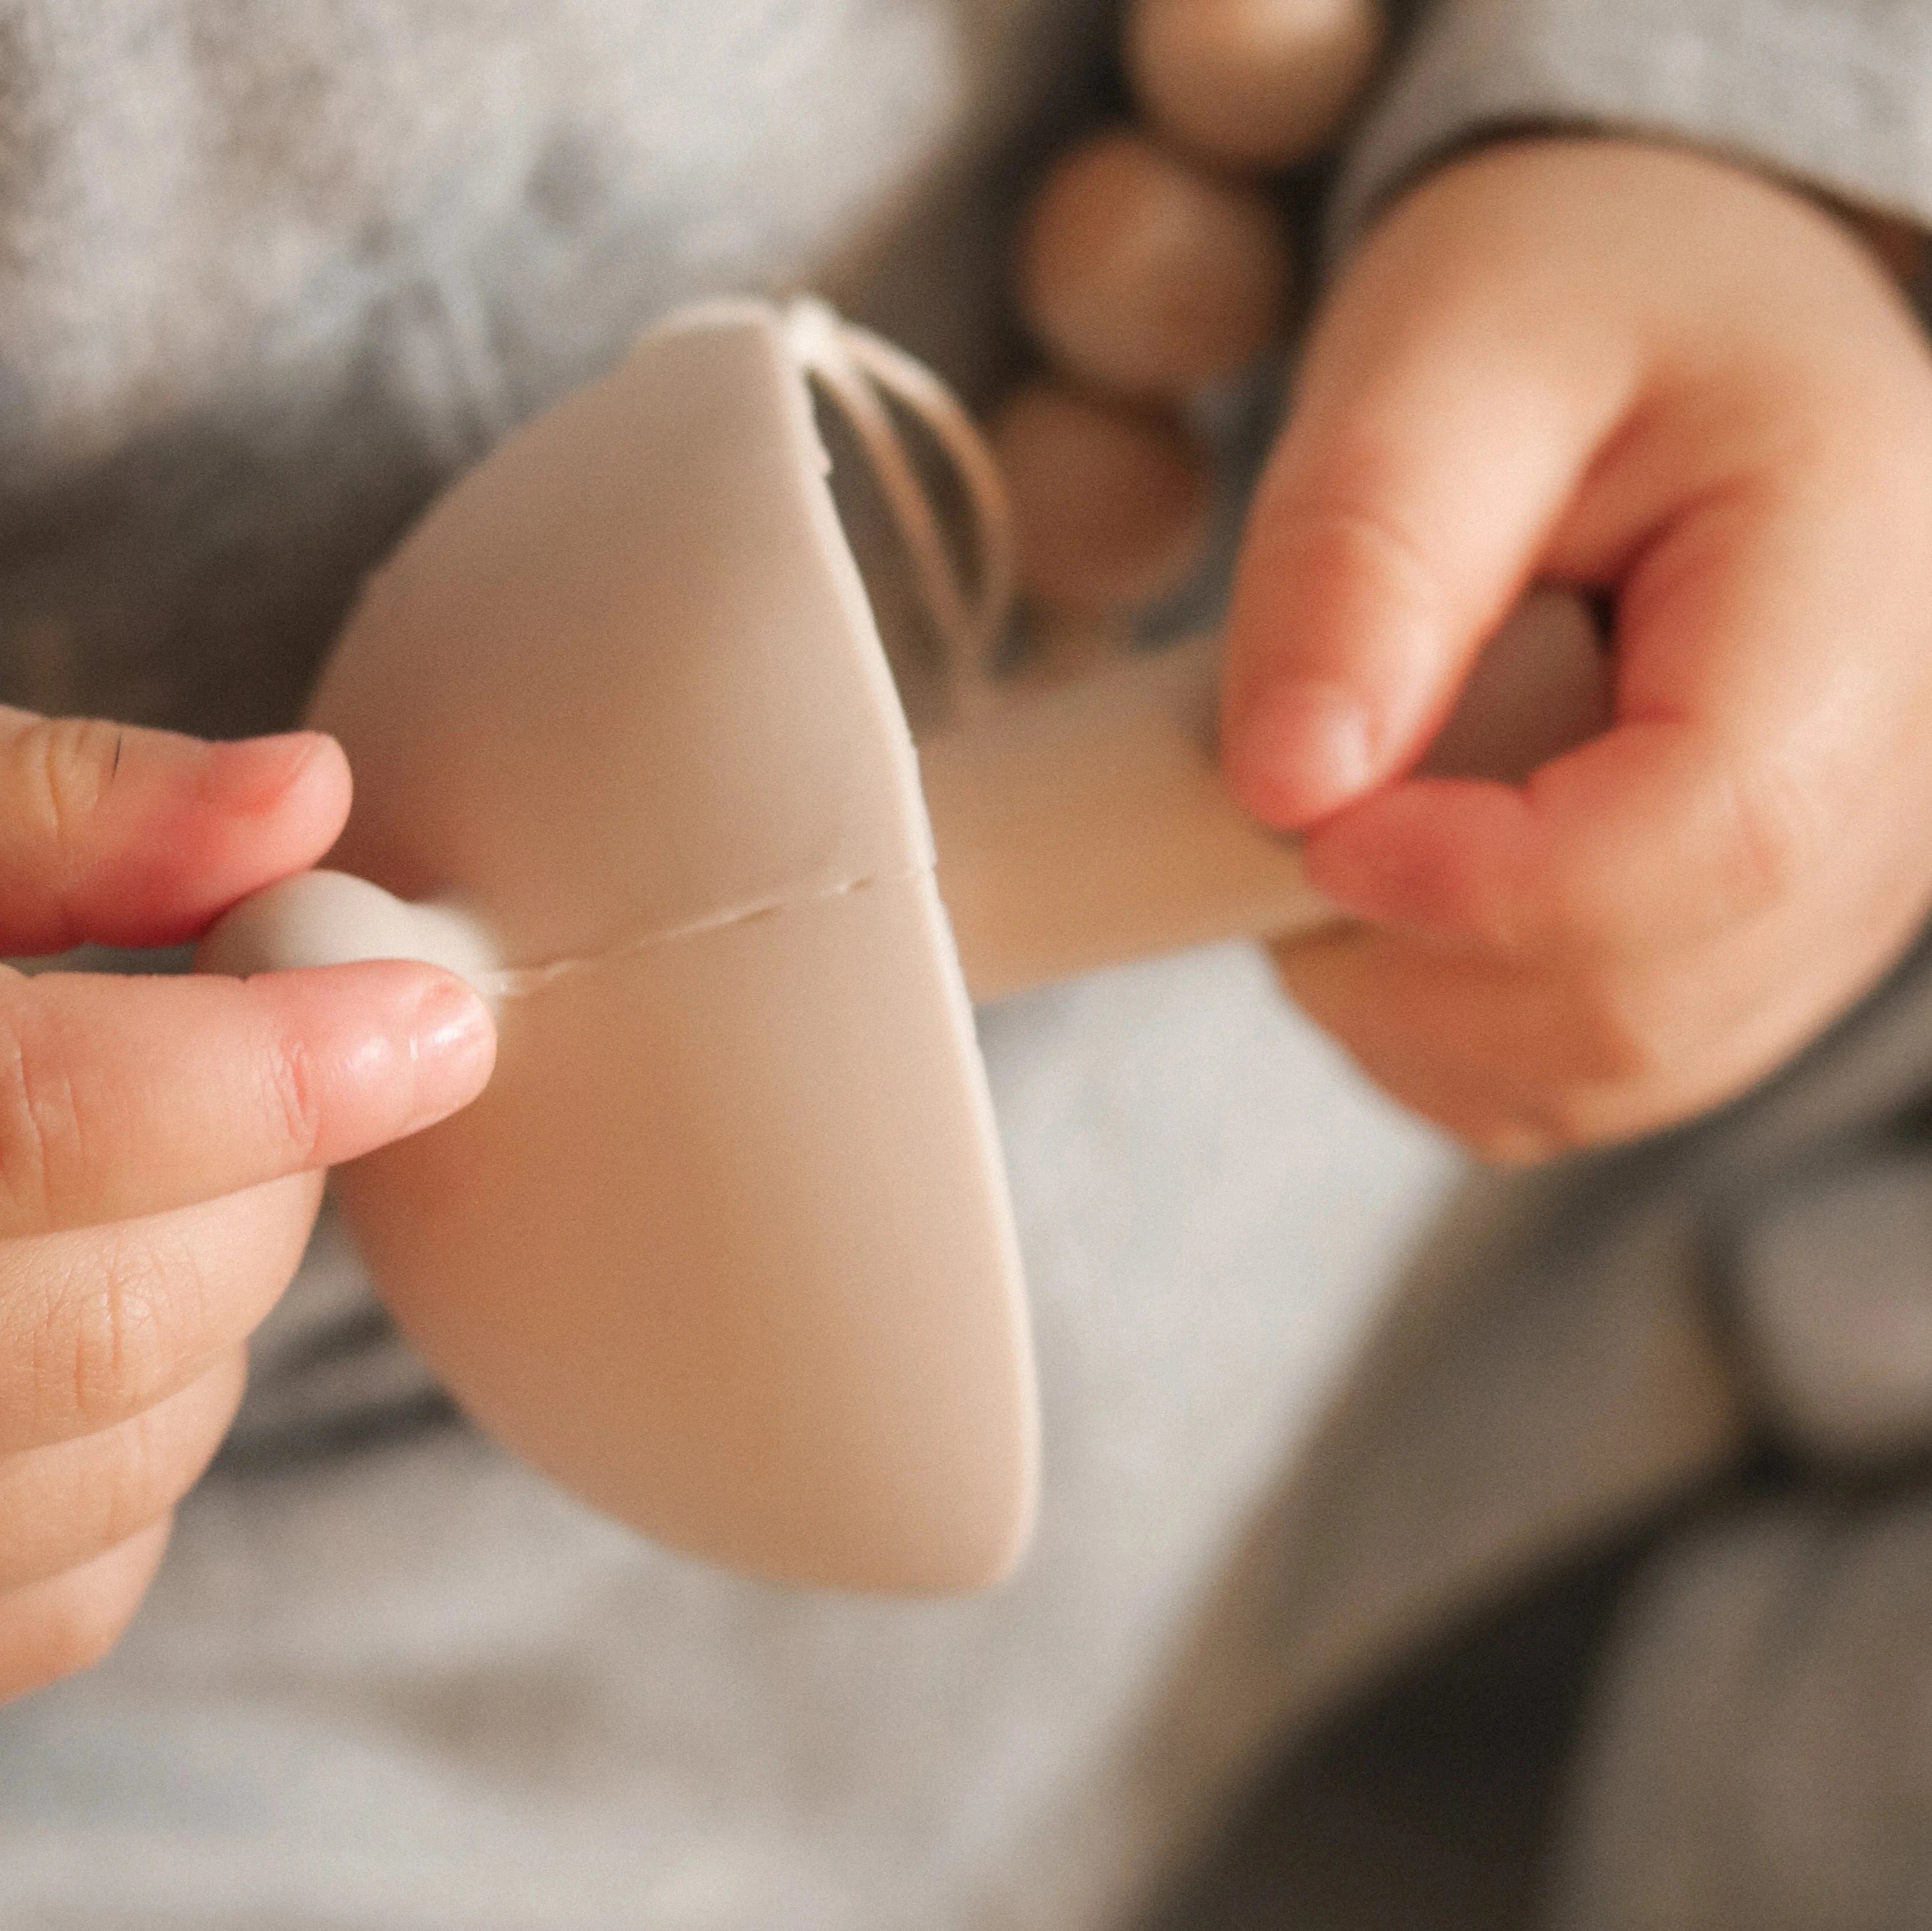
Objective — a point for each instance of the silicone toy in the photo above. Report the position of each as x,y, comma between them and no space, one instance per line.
726,1247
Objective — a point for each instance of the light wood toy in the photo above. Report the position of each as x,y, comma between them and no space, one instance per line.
726,1246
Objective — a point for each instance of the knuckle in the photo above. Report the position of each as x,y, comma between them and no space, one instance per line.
158,1455
1336,504
292,1092
125,1337
1570,917
1501,920
1611,1062
1488,1122
61,770
42,1139
1567,917
1562,1118
1568,1121
133,1480
1506,1140
1345,532
1618,1034
1582,1117
1578,917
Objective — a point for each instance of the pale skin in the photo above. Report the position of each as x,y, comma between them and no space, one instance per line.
1668,379
1591,361
163,1140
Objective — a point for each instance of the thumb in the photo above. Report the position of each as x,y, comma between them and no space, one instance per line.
140,837
1444,421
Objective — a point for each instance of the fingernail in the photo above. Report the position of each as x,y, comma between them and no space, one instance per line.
1303,750
452,1048
252,774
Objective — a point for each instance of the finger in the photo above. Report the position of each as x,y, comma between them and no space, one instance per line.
1774,696
61,1506
1443,419
1404,1015
130,837
1521,1063
57,1628
125,1097
1518,1065
96,1324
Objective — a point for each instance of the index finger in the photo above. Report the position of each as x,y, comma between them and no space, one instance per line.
129,837
120,1097
1773,688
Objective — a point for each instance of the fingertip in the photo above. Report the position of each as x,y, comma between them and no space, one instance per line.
255,777
1430,855
452,1046
351,1056
141,1095
128,836
1338,658
1298,749
389,1046
253,811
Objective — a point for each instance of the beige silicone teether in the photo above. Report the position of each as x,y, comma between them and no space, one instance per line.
726,1246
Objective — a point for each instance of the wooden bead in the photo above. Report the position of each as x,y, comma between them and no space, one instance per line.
1252,83
1142,273
1111,503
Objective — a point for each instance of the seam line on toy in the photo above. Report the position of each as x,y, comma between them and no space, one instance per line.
521,981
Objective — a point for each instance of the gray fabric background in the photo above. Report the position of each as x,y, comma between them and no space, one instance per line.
268,273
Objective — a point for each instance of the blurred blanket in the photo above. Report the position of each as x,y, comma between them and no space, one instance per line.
269,274
1726,1331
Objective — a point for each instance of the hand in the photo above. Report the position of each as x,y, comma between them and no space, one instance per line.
162,1140
1655,374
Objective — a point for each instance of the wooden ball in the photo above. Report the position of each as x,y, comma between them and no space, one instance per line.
1142,273
1111,503
1252,83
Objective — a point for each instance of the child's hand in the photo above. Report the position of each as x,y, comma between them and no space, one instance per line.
1637,369
162,1140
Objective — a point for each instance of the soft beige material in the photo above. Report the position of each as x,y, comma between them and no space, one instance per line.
1090,827
621,696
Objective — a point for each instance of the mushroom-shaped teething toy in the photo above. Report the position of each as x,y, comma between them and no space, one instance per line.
726,1247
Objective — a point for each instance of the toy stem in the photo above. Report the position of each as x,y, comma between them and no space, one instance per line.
1089,826
1076,829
